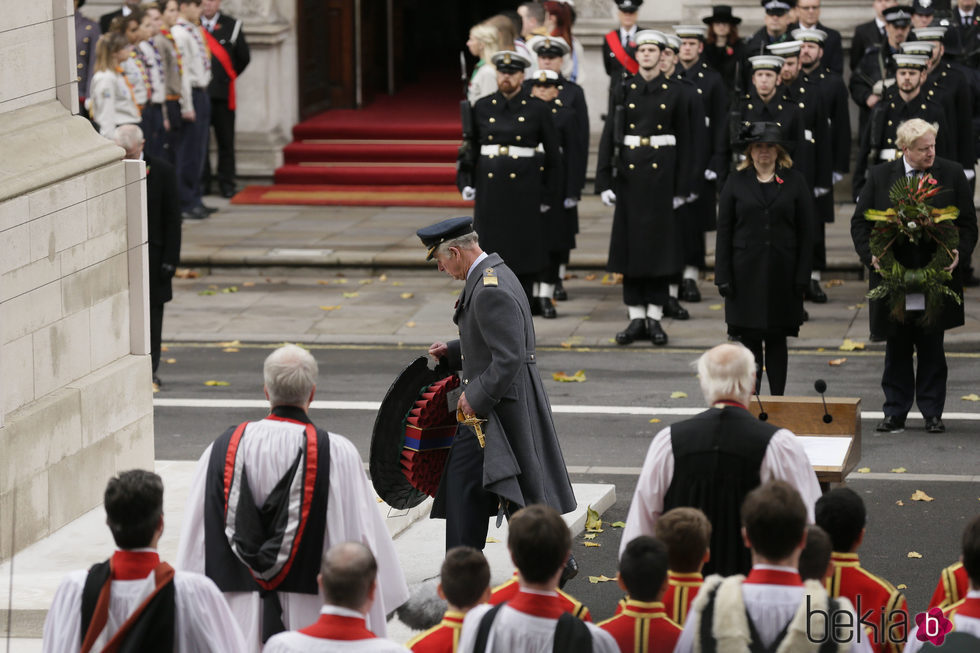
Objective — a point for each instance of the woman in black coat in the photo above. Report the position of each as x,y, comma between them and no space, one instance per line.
763,251
724,50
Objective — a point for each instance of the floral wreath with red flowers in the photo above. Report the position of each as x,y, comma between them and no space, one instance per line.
913,220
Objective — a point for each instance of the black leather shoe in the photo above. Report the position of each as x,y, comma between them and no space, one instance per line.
935,425
546,308
806,315
535,306
157,382
569,572
814,293
208,210
690,292
228,192
194,214
674,309
892,424
636,330
657,334
560,293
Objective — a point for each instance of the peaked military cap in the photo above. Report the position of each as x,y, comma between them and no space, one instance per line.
785,49
767,62
913,61
923,7
931,33
809,35
922,48
543,77
628,5
691,31
899,16
508,61
651,37
438,233
548,46
777,7
673,42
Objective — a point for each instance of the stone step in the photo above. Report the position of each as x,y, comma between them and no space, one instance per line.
38,569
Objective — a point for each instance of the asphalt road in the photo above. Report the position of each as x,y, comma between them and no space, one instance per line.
618,442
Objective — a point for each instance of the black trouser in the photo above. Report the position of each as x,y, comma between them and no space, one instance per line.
156,333
925,383
172,137
223,122
772,355
192,148
555,260
468,503
640,291
153,132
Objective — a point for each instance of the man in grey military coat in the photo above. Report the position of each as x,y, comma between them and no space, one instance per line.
520,461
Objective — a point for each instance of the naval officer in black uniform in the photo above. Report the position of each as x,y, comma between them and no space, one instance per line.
501,169
619,45
644,168
766,101
519,461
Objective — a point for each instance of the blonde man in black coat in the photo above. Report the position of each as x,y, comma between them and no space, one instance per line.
764,250
900,381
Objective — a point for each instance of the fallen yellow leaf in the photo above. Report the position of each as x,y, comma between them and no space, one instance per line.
230,289
655,420
971,397
915,554
591,544
592,521
821,349
578,377
831,283
185,273
164,348
207,292
230,350
715,307
324,282
156,388
837,361
248,284
340,281
350,295
919,495
590,536
171,361
678,394
330,308
408,295
864,470
364,282
600,579
851,345
590,277
397,283
214,383
860,305
410,325
899,503
902,586
230,343
899,470
383,278
618,524
492,540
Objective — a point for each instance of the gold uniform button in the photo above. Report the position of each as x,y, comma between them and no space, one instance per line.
88,27
645,140
663,86
750,107
523,101
700,74
80,66
632,125
700,92
632,166
78,79
513,175
504,150
493,101
554,111
923,107
462,358
660,126
780,107
632,106
517,138
82,52
889,123
802,106
493,120
654,166
520,118
663,106
489,175
631,85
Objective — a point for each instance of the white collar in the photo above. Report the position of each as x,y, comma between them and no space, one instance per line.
528,590
879,23
966,15
909,169
777,568
628,32
144,549
479,258
338,611
211,21
973,594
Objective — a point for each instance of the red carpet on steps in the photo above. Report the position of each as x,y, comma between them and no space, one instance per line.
399,150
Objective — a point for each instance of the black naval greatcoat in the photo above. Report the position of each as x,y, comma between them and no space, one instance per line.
968,36
949,85
510,190
955,192
495,356
763,250
833,49
646,178
780,109
881,134
877,64
812,156
829,88
163,228
713,97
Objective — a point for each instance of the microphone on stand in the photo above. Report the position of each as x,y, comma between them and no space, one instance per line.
821,386
763,415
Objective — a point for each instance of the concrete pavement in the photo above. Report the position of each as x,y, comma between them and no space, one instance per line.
357,275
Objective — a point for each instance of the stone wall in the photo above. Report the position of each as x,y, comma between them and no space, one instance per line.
76,403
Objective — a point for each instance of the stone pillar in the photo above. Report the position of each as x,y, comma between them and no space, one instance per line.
76,403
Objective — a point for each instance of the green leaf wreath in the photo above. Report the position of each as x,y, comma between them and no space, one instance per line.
911,219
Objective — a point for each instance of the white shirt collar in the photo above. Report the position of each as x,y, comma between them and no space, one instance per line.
908,169
341,612
962,15
528,590
627,32
479,258
879,23
144,549
210,22
973,594
793,570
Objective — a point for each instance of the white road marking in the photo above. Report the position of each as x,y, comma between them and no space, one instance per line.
163,402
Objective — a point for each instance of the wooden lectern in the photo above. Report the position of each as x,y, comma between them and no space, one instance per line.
834,449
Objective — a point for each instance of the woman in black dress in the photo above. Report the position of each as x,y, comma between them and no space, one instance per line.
763,250
723,49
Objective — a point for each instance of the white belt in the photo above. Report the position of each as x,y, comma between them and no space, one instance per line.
707,121
888,155
807,134
654,141
507,150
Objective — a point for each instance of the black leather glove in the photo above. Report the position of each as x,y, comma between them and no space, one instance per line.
726,290
167,270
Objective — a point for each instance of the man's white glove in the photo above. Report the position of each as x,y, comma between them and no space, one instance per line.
544,208
710,175
469,193
608,197
970,174
691,198
678,202
835,177
570,203
820,192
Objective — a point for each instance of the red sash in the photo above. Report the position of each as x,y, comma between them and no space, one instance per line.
224,59
623,57
128,564
332,626
773,577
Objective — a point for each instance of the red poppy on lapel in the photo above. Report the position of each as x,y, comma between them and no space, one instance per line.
779,179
